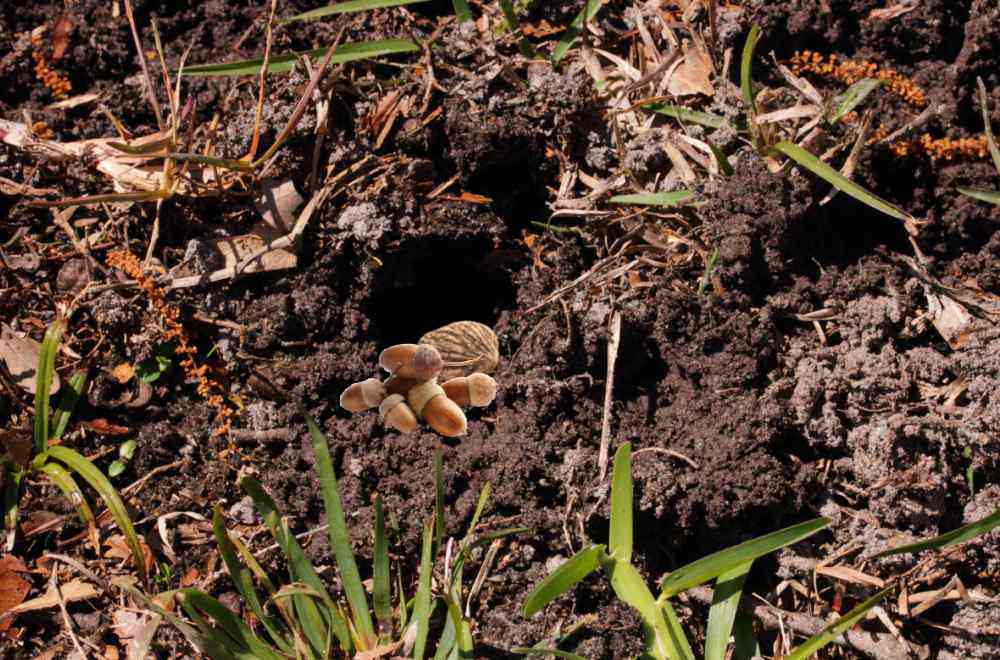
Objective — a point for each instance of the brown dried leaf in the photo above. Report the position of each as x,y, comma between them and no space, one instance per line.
13,588
74,590
950,318
102,426
20,355
17,445
118,549
123,373
693,76
892,11
60,37
277,205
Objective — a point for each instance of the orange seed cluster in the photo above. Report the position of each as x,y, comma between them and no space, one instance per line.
208,387
945,148
52,79
849,72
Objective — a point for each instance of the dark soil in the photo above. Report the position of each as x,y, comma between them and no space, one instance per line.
781,425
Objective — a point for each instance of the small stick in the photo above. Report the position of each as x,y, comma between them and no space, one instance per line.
614,336
268,40
142,62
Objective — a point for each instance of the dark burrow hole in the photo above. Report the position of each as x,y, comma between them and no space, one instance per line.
433,282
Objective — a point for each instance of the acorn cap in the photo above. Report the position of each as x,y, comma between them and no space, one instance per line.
394,412
482,389
362,396
427,363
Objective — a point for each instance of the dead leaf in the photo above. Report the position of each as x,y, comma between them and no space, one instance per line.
60,37
73,102
117,548
950,319
20,355
17,445
74,590
277,205
378,651
693,76
892,11
102,426
190,578
204,257
123,373
13,588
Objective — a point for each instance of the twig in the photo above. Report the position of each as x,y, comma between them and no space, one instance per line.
142,62
614,335
54,586
668,452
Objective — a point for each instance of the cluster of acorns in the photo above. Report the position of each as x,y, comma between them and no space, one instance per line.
463,353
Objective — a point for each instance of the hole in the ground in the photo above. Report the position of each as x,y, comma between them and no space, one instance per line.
433,282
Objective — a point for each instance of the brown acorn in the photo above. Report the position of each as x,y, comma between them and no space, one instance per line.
420,362
395,413
442,414
466,347
473,390
398,385
362,396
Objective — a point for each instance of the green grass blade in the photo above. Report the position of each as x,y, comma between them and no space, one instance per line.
722,613
93,476
854,96
339,539
991,196
422,604
687,114
484,497
672,198
990,139
208,644
43,382
345,7
462,11
72,390
575,28
620,538
543,651
632,589
676,632
404,611
228,622
720,562
563,578
954,537
242,577
840,182
746,71
745,647
300,568
67,484
720,157
446,642
381,597
489,537
438,499
351,52
838,627
510,17
463,640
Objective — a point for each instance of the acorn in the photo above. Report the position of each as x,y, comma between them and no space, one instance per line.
430,403
394,412
398,385
364,395
476,389
421,362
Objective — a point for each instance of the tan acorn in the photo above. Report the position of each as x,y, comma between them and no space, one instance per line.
396,413
421,362
465,347
429,402
364,395
476,389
